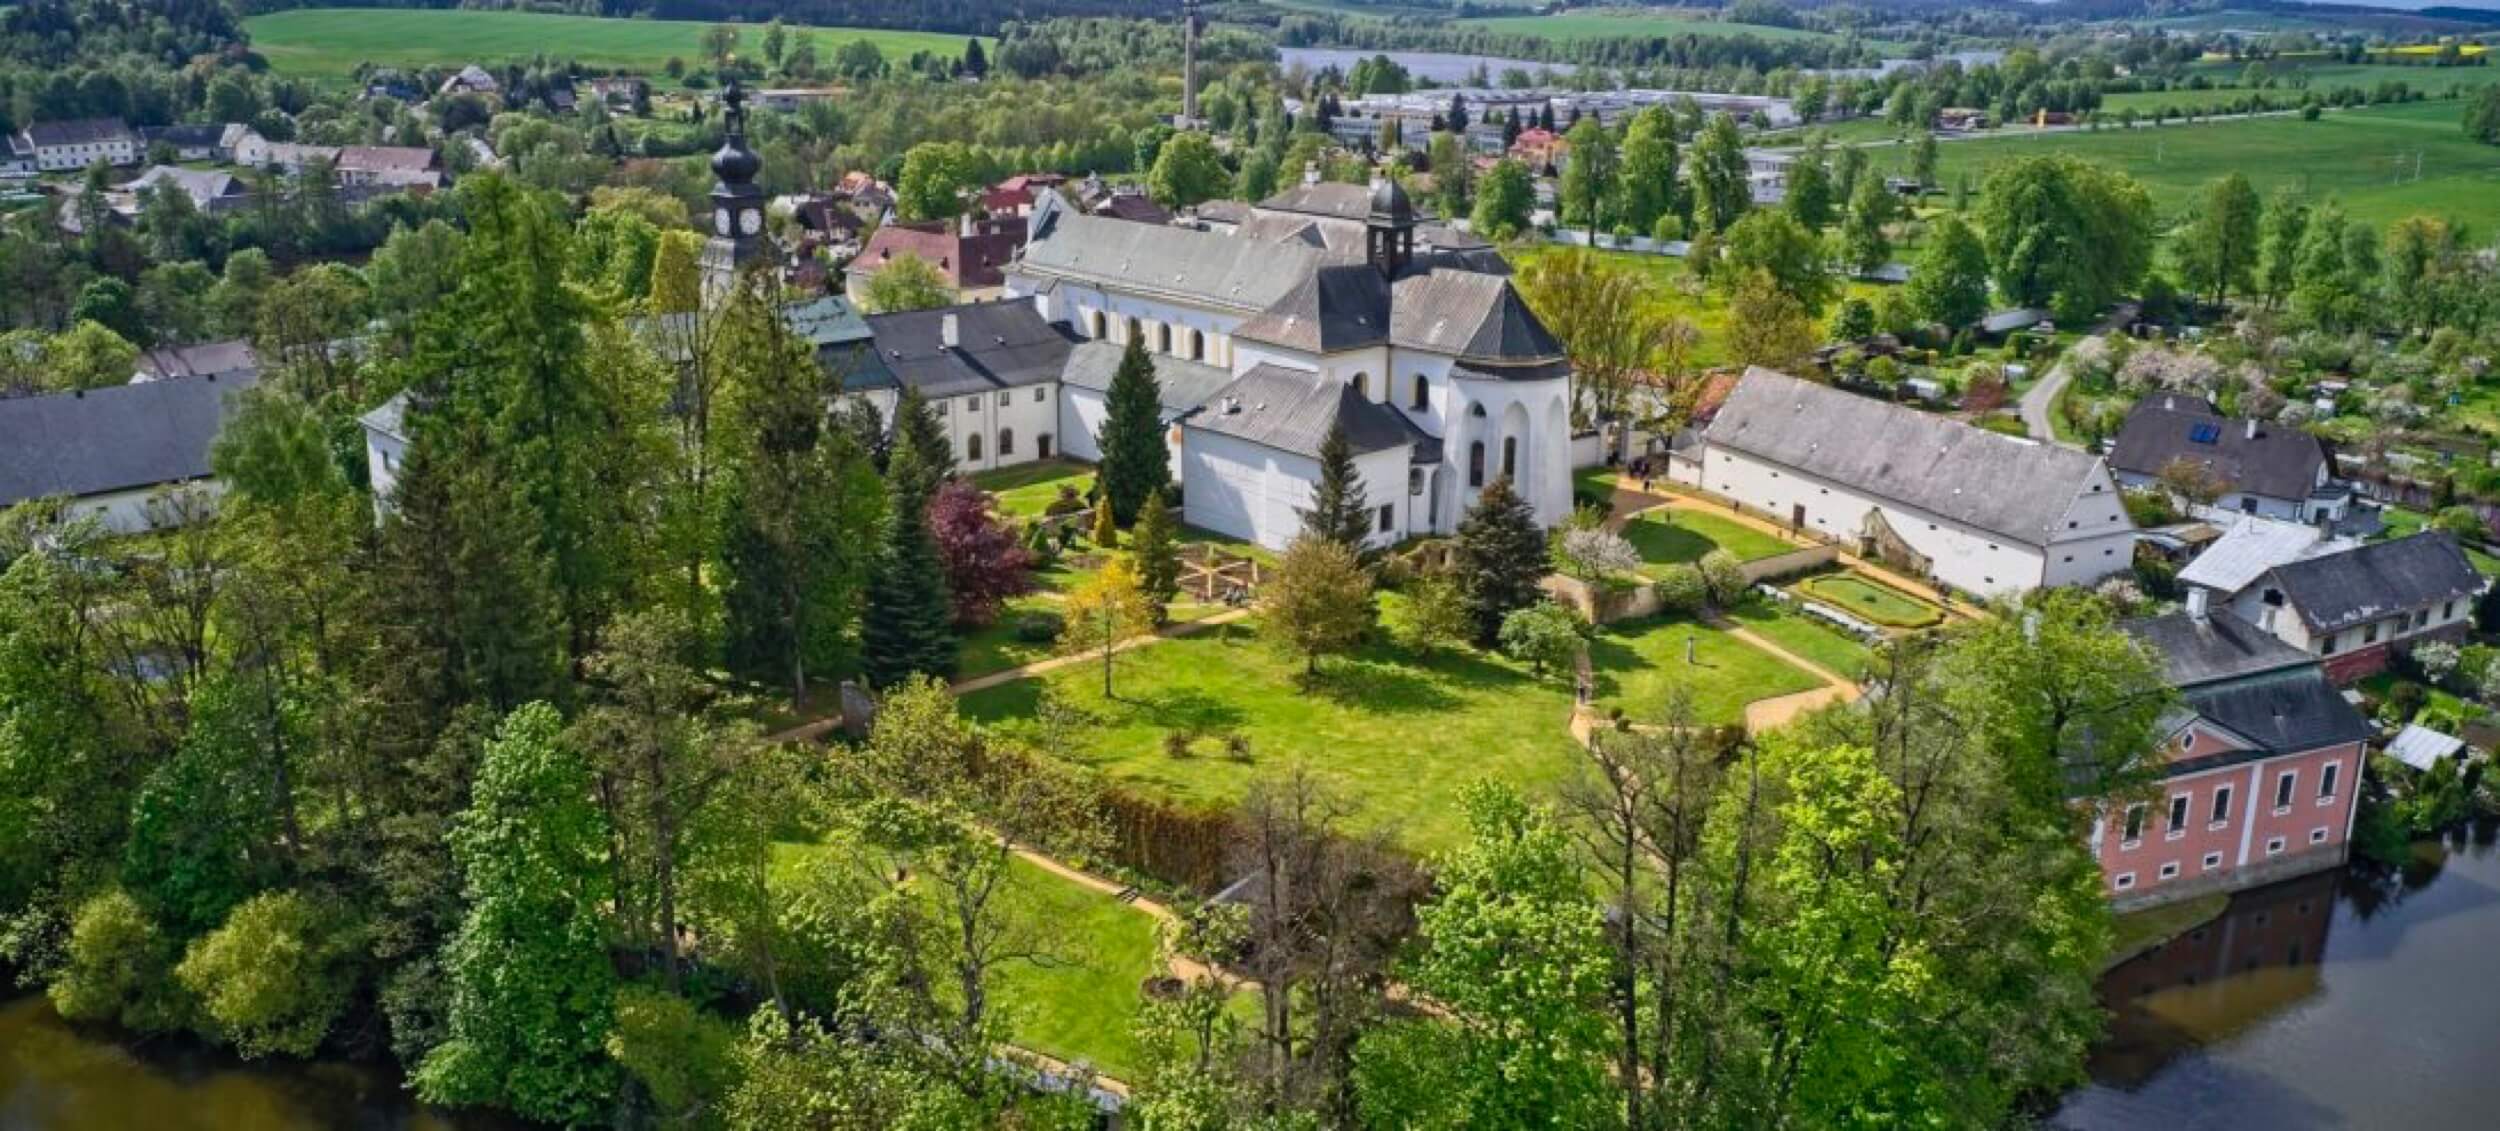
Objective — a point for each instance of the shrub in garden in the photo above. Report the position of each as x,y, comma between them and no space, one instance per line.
1682,589
1724,577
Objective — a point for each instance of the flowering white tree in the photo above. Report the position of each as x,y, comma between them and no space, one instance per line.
1592,555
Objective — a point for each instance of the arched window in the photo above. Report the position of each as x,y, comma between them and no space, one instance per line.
1510,459
1133,330
1163,337
1363,385
1094,326
1475,464
972,448
1476,410
1423,392
1006,442
1197,346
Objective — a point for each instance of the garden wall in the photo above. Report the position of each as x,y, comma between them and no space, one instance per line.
1601,604
1791,563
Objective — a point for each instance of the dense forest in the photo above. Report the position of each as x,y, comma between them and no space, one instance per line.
968,16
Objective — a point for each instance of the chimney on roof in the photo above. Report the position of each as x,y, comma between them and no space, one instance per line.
2196,603
949,333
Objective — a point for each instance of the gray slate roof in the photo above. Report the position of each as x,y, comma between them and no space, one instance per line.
2220,646
999,345
1473,316
1179,385
1338,307
1328,198
2016,489
2277,462
1291,410
233,358
80,131
2377,580
1219,270
117,438
185,135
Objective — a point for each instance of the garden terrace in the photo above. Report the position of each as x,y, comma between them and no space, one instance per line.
1026,489
1675,535
1399,734
1869,600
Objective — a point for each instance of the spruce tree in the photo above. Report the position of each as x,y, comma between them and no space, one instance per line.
1135,462
907,629
1340,512
1157,551
916,424
1500,557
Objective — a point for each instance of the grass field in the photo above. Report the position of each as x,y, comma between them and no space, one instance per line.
1644,23
2292,76
1840,653
2353,154
1025,489
327,43
1398,735
1881,604
1081,1003
1666,537
1707,309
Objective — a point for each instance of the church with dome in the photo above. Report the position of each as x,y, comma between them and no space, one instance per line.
1328,305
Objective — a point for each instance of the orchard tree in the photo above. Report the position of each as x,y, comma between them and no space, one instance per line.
1318,600
1545,636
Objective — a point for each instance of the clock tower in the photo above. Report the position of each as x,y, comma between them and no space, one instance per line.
737,205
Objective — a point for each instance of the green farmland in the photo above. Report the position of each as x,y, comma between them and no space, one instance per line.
1617,23
327,43
2366,158
2292,76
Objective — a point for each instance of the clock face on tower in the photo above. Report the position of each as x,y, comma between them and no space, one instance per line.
750,222
720,221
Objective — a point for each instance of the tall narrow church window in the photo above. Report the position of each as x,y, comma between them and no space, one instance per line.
1363,385
1475,464
1094,326
1197,346
972,448
1510,459
1423,392
1134,330
1006,442
1163,338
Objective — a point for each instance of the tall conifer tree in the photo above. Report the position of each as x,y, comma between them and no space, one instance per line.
1135,461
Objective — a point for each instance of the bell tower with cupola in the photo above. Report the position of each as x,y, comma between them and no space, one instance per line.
1389,231
738,240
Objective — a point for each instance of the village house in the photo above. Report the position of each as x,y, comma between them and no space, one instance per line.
211,190
470,79
2262,469
59,147
2355,609
402,166
112,453
972,254
192,142
2261,760
1968,508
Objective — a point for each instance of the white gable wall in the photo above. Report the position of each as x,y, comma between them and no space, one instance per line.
2096,538
1258,493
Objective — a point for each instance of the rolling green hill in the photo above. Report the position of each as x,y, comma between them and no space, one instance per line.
1605,23
326,43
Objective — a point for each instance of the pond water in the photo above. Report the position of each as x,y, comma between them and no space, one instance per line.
56,1077
2352,998
1440,67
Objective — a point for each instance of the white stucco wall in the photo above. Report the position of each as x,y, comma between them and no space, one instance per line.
1965,558
1535,413
1081,413
139,509
1024,415
1258,493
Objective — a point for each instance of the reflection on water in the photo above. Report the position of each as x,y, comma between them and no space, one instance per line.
2357,997
56,1078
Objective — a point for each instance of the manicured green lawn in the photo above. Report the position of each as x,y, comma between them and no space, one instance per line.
1881,604
1668,536
327,43
1838,652
2365,157
1396,734
1083,1002
1027,488
1639,663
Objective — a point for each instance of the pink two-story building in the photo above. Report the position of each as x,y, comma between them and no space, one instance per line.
2264,760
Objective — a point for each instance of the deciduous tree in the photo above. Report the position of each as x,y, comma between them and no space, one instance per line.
1318,600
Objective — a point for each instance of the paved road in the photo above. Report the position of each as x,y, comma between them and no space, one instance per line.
2041,400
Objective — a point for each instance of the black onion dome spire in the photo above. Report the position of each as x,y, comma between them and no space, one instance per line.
1389,202
735,164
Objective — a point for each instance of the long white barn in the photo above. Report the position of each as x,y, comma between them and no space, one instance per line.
1968,508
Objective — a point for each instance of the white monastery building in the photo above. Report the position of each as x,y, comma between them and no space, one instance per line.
1965,507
